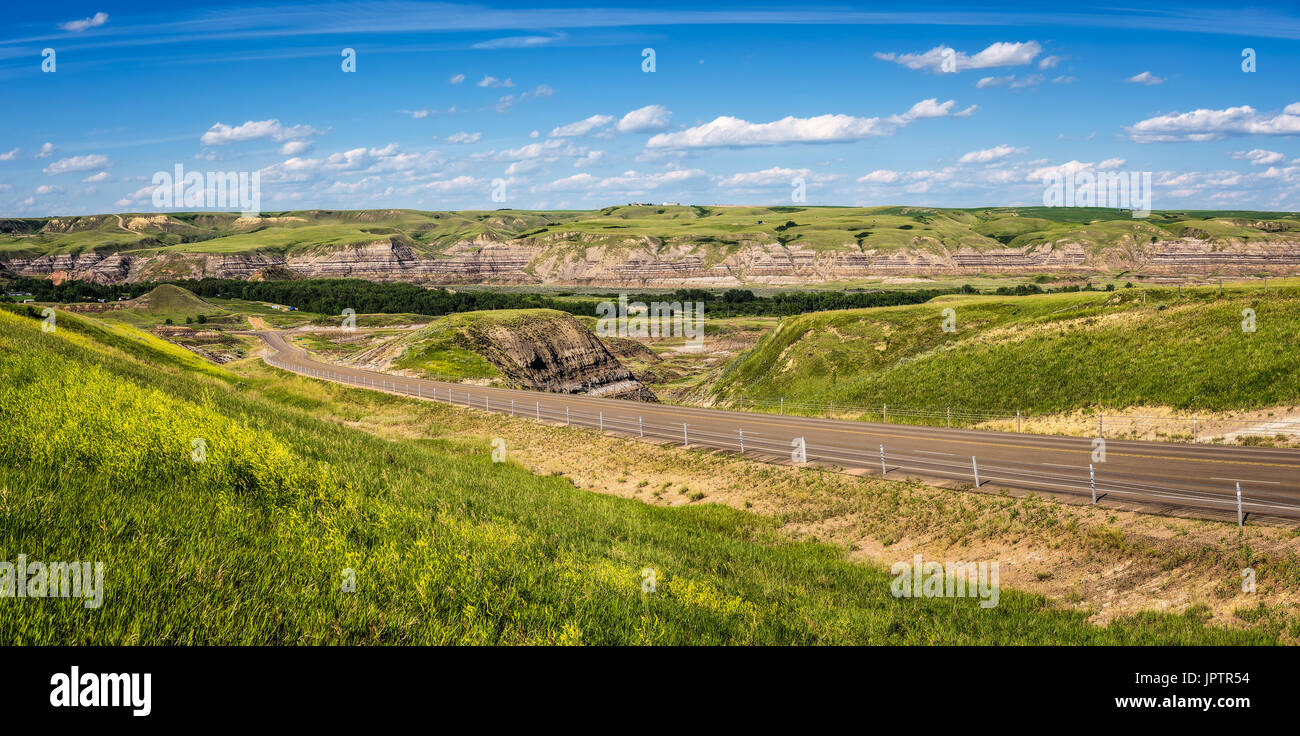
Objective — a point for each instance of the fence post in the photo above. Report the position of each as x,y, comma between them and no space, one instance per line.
1239,520
512,407
882,461
1017,421
741,430
686,438
832,410
419,393
566,416
950,417
782,406
487,403
602,421
1092,481
640,425
1194,428
975,467
884,413
1101,431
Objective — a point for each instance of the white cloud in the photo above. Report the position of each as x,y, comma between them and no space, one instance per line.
463,137
1146,78
96,178
1049,62
48,189
293,148
1260,157
1010,80
139,196
775,176
990,154
648,119
47,150
221,134
457,184
534,134
628,182
582,127
491,81
591,159
77,26
517,42
880,176
77,163
9,156
456,79
1002,53
1209,125
729,131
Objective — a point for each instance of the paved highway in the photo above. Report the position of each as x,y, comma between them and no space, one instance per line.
1166,477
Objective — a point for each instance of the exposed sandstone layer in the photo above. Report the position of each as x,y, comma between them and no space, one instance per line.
555,353
654,262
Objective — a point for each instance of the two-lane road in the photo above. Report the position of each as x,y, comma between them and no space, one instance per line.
1163,476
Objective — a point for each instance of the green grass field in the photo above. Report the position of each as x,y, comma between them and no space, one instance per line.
251,545
1047,353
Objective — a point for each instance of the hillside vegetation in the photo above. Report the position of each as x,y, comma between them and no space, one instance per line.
715,231
1047,353
251,544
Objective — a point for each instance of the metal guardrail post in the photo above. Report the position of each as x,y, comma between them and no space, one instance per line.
1239,517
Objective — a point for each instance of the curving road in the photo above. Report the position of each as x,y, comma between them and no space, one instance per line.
1163,477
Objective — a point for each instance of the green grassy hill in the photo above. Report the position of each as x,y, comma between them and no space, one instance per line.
97,443
1048,353
715,231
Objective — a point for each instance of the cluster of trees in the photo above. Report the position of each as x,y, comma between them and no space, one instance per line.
331,296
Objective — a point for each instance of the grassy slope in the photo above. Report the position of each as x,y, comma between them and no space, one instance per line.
1047,353
712,232
250,545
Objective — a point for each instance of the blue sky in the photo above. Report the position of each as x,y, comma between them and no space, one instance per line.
550,103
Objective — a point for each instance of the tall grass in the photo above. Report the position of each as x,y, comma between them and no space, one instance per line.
250,546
